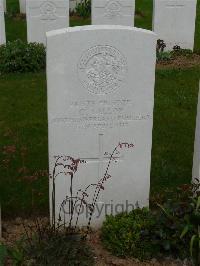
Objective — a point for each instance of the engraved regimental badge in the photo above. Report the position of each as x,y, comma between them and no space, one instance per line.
102,69
112,9
48,11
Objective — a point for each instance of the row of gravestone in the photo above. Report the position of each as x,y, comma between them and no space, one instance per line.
173,20
22,5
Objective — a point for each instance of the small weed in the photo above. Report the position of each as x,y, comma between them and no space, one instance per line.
177,51
45,246
160,53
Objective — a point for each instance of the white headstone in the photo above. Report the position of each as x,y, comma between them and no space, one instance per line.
43,16
100,100
113,12
5,7
2,23
196,157
174,22
22,6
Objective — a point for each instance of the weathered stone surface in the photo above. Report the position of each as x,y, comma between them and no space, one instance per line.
43,16
2,23
196,157
100,115
113,12
22,6
174,22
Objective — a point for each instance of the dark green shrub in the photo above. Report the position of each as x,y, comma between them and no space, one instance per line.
193,226
161,55
127,234
165,230
178,51
3,254
179,220
183,211
18,56
83,9
164,56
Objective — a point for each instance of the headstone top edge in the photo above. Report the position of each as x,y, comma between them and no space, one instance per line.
97,27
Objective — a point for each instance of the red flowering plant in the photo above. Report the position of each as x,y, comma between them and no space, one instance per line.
77,199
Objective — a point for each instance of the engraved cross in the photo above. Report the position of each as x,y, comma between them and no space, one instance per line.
103,157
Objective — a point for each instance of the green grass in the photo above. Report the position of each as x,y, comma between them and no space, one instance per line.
12,6
174,126
23,111
15,29
144,10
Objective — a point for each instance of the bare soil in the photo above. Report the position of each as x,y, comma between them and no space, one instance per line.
15,229
180,62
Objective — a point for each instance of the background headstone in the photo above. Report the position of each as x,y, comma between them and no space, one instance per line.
73,3
174,22
100,96
196,157
22,6
43,16
2,23
113,12
5,6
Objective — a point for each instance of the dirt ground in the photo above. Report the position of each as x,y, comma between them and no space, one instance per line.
180,62
14,230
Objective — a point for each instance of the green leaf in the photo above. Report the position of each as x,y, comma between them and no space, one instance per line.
192,244
165,211
3,254
166,245
184,232
198,203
